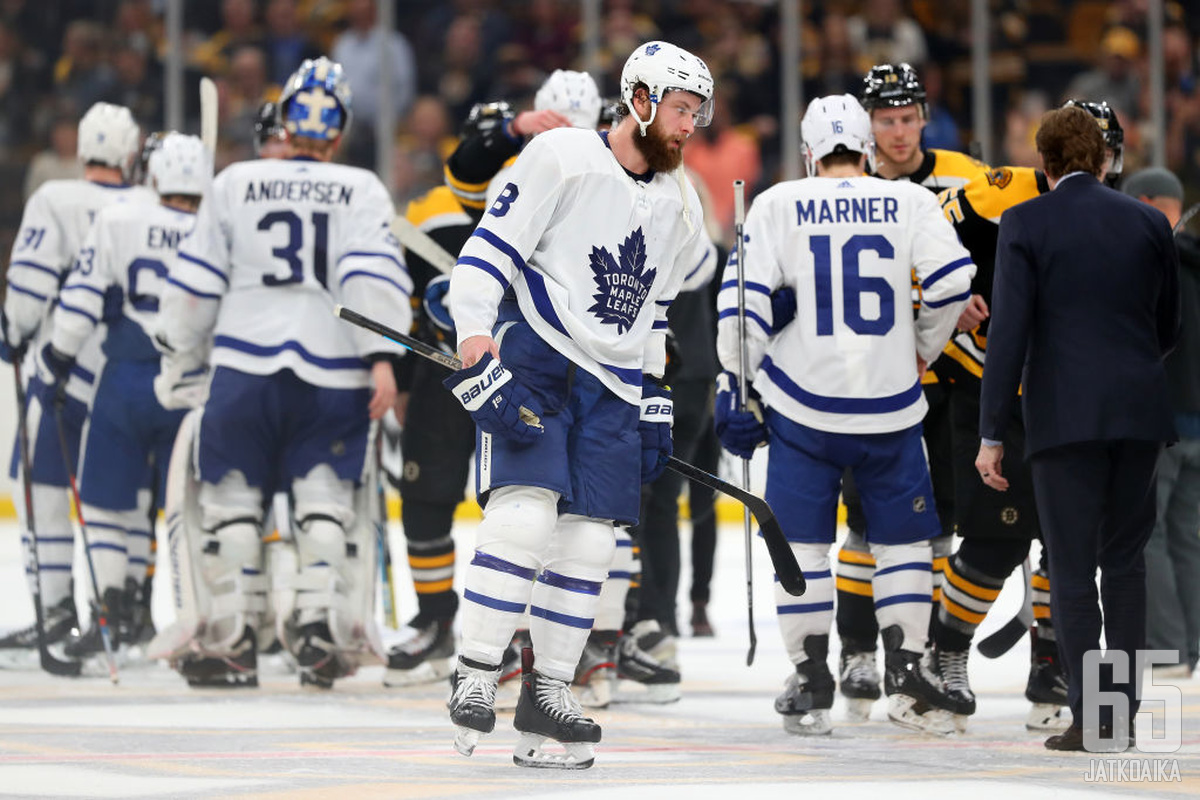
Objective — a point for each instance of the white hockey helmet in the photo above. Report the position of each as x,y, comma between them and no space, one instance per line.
572,94
180,165
663,68
108,135
836,124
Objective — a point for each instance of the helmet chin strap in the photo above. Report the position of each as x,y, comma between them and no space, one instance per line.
644,124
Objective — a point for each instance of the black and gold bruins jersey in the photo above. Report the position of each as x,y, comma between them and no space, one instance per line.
974,210
447,220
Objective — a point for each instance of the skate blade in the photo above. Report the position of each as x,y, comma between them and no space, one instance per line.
425,672
655,693
809,723
902,712
465,740
858,709
1047,717
575,755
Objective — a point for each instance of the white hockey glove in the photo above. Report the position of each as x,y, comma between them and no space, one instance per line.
182,381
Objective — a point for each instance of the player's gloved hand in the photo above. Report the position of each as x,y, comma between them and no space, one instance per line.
437,306
182,382
497,402
783,308
12,346
58,365
739,431
654,426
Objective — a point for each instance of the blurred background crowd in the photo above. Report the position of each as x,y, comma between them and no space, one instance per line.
57,58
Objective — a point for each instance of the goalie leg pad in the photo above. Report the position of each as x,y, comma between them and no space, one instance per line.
563,602
231,562
812,615
510,548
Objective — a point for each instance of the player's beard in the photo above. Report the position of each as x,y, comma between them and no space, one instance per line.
657,148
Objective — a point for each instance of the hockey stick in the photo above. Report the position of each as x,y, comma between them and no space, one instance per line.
208,115
1186,217
49,663
421,243
1002,640
782,558
381,534
100,610
739,222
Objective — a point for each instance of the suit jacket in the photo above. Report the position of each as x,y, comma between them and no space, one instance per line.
1085,305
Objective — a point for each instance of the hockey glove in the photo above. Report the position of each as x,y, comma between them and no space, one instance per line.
496,401
182,382
739,431
12,346
654,426
58,365
437,308
783,308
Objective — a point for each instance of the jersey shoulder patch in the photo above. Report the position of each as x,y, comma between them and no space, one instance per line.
1000,189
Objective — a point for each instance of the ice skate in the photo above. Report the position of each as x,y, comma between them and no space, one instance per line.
1046,690
659,644
91,642
951,667
548,710
135,628
641,678
58,621
859,684
424,655
317,657
806,700
510,672
238,670
472,704
597,670
916,697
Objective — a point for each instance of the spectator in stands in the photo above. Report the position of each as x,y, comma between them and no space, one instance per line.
719,154
357,49
941,131
82,76
16,93
138,85
425,142
60,160
239,28
549,34
286,44
136,24
882,34
245,89
1114,79
1020,128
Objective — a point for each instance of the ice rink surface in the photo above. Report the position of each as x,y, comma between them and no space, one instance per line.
153,737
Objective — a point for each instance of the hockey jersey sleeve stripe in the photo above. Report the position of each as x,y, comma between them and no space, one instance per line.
479,263
363,273
663,303
840,405
290,345
659,325
85,375
368,254
562,619
194,292
944,271
732,312
199,262
76,310
22,290
699,264
631,376
751,286
577,585
947,301
74,286
35,265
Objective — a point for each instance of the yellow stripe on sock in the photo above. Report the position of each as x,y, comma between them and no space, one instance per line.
861,588
1039,582
432,587
856,557
955,610
974,590
430,562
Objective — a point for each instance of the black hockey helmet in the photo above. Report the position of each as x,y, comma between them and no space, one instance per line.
141,167
266,125
1114,134
893,86
485,117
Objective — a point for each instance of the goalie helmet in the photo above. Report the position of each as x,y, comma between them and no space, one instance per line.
109,136
1114,134
893,86
662,67
315,102
835,124
266,125
572,94
181,165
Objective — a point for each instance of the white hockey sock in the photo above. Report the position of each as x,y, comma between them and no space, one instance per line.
510,544
610,612
109,542
812,614
903,585
567,592
55,540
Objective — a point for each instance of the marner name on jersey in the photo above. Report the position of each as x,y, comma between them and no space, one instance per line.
327,192
847,209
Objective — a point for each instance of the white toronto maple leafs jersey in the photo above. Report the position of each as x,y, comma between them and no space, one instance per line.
55,222
848,247
130,247
593,255
277,244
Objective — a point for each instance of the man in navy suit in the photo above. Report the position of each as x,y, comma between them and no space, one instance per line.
1085,307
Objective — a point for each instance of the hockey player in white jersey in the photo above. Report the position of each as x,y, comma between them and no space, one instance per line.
130,247
841,387
55,221
277,244
560,300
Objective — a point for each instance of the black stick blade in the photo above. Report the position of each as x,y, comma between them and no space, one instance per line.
1003,639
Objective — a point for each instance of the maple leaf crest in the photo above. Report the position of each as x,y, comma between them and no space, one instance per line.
622,284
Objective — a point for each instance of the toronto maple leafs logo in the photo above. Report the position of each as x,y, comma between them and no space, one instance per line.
622,284
651,49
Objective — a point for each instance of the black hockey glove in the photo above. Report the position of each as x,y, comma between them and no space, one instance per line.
58,368
12,346
654,426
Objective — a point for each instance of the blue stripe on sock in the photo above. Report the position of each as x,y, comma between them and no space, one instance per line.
492,602
577,585
561,619
500,565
